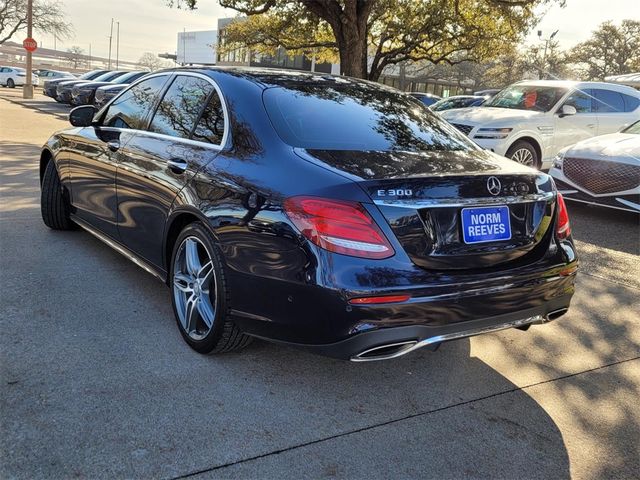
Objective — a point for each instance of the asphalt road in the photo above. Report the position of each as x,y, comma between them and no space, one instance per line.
96,382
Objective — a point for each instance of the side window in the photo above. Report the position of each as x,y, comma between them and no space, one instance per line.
630,103
581,100
210,127
130,110
608,101
179,109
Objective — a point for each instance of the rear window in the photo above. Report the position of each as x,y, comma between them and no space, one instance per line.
357,116
608,101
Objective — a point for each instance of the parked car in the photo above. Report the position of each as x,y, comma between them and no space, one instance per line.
324,212
84,93
529,122
602,171
14,76
426,98
104,94
457,101
64,89
50,86
489,92
52,74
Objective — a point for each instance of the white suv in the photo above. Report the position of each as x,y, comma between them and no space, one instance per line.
530,121
13,76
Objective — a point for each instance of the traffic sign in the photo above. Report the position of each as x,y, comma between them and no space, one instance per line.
30,44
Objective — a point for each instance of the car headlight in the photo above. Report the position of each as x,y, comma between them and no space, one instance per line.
557,160
493,133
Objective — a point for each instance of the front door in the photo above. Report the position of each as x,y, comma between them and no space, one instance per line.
571,129
93,159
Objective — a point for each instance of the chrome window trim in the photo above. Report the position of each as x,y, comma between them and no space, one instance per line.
463,202
225,134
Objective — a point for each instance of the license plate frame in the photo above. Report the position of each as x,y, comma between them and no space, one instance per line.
485,216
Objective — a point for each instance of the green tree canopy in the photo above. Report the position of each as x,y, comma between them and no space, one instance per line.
369,35
611,50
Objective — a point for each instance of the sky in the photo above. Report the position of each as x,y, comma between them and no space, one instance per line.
151,26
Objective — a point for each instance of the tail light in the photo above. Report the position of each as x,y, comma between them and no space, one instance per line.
563,227
338,226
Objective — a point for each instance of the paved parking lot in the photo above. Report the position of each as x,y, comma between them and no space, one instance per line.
95,380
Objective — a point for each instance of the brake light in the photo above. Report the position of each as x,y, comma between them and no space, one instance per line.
563,227
376,300
338,226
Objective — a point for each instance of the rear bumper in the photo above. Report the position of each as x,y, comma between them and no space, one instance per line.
323,321
389,343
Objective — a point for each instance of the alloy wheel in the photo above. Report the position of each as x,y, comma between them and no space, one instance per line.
523,156
194,288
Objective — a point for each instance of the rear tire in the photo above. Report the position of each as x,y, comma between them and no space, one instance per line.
11,83
54,205
523,152
199,294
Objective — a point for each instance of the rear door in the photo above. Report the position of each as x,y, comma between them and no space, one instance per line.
94,155
611,109
156,164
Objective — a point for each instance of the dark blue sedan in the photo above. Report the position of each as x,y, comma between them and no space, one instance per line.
318,211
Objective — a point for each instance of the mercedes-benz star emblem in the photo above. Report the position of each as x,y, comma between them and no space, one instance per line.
493,185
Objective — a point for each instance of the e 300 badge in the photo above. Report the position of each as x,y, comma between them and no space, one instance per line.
398,192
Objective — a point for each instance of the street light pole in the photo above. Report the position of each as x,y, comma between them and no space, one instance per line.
118,46
544,55
27,90
110,37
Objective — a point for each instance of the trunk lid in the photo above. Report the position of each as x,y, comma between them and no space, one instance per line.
423,196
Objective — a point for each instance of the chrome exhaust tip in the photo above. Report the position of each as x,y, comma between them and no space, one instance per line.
551,316
385,352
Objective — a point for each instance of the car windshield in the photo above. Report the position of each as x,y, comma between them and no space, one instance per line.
527,97
18,69
107,77
91,74
633,128
128,77
357,116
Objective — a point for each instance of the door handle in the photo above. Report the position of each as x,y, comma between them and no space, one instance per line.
591,125
113,145
176,165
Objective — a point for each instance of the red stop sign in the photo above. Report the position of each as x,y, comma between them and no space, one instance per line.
30,44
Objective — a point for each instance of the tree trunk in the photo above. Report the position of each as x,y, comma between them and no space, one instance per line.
351,53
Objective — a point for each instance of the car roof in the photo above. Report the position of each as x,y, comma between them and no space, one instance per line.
267,77
579,85
463,96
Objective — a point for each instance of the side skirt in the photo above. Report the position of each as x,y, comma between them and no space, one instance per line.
118,247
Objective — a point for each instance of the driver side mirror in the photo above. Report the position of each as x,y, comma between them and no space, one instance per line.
568,110
82,116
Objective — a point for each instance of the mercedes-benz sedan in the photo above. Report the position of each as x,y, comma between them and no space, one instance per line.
323,212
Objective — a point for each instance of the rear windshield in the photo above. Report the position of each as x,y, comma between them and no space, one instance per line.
357,116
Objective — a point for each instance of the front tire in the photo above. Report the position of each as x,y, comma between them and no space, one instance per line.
199,294
11,83
523,152
54,205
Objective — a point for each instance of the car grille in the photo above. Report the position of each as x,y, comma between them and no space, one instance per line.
601,177
466,129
